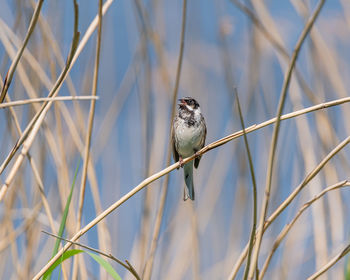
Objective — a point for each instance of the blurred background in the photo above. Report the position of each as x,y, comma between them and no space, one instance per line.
227,44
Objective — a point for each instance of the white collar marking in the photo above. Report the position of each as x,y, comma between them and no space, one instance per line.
189,108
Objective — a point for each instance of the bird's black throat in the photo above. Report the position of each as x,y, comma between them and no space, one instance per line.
187,116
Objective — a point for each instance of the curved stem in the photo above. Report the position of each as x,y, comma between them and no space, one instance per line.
273,145
159,217
288,226
14,64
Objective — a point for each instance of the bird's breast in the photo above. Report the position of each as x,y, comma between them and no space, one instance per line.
188,139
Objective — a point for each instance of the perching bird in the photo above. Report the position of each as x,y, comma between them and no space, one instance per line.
188,136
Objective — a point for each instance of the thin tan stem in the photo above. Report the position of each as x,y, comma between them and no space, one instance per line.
277,45
273,146
77,51
91,117
13,235
44,99
110,256
159,217
332,262
34,168
252,174
29,134
289,199
89,131
288,226
14,64
109,210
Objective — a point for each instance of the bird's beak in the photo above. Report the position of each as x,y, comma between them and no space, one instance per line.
181,101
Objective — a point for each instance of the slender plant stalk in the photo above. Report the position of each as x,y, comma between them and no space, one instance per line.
9,238
128,266
288,226
43,99
145,53
77,51
30,132
91,117
229,80
277,45
275,134
93,25
159,217
33,165
14,64
89,132
252,174
332,262
290,198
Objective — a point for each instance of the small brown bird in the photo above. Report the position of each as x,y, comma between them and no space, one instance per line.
188,137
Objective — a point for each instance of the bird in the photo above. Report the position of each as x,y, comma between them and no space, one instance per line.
188,137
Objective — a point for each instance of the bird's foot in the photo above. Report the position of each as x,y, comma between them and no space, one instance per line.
197,155
181,162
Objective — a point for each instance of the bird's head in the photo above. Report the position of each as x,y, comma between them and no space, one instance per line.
188,103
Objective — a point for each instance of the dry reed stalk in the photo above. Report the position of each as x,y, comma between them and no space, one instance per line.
281,102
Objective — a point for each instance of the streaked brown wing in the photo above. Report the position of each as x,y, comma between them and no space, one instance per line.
196,160
175,153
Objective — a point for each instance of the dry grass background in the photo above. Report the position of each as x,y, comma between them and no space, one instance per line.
247,45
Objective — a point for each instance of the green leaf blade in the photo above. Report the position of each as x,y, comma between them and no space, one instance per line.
66,255
106,265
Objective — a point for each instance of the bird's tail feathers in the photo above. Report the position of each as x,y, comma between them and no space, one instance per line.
188,174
